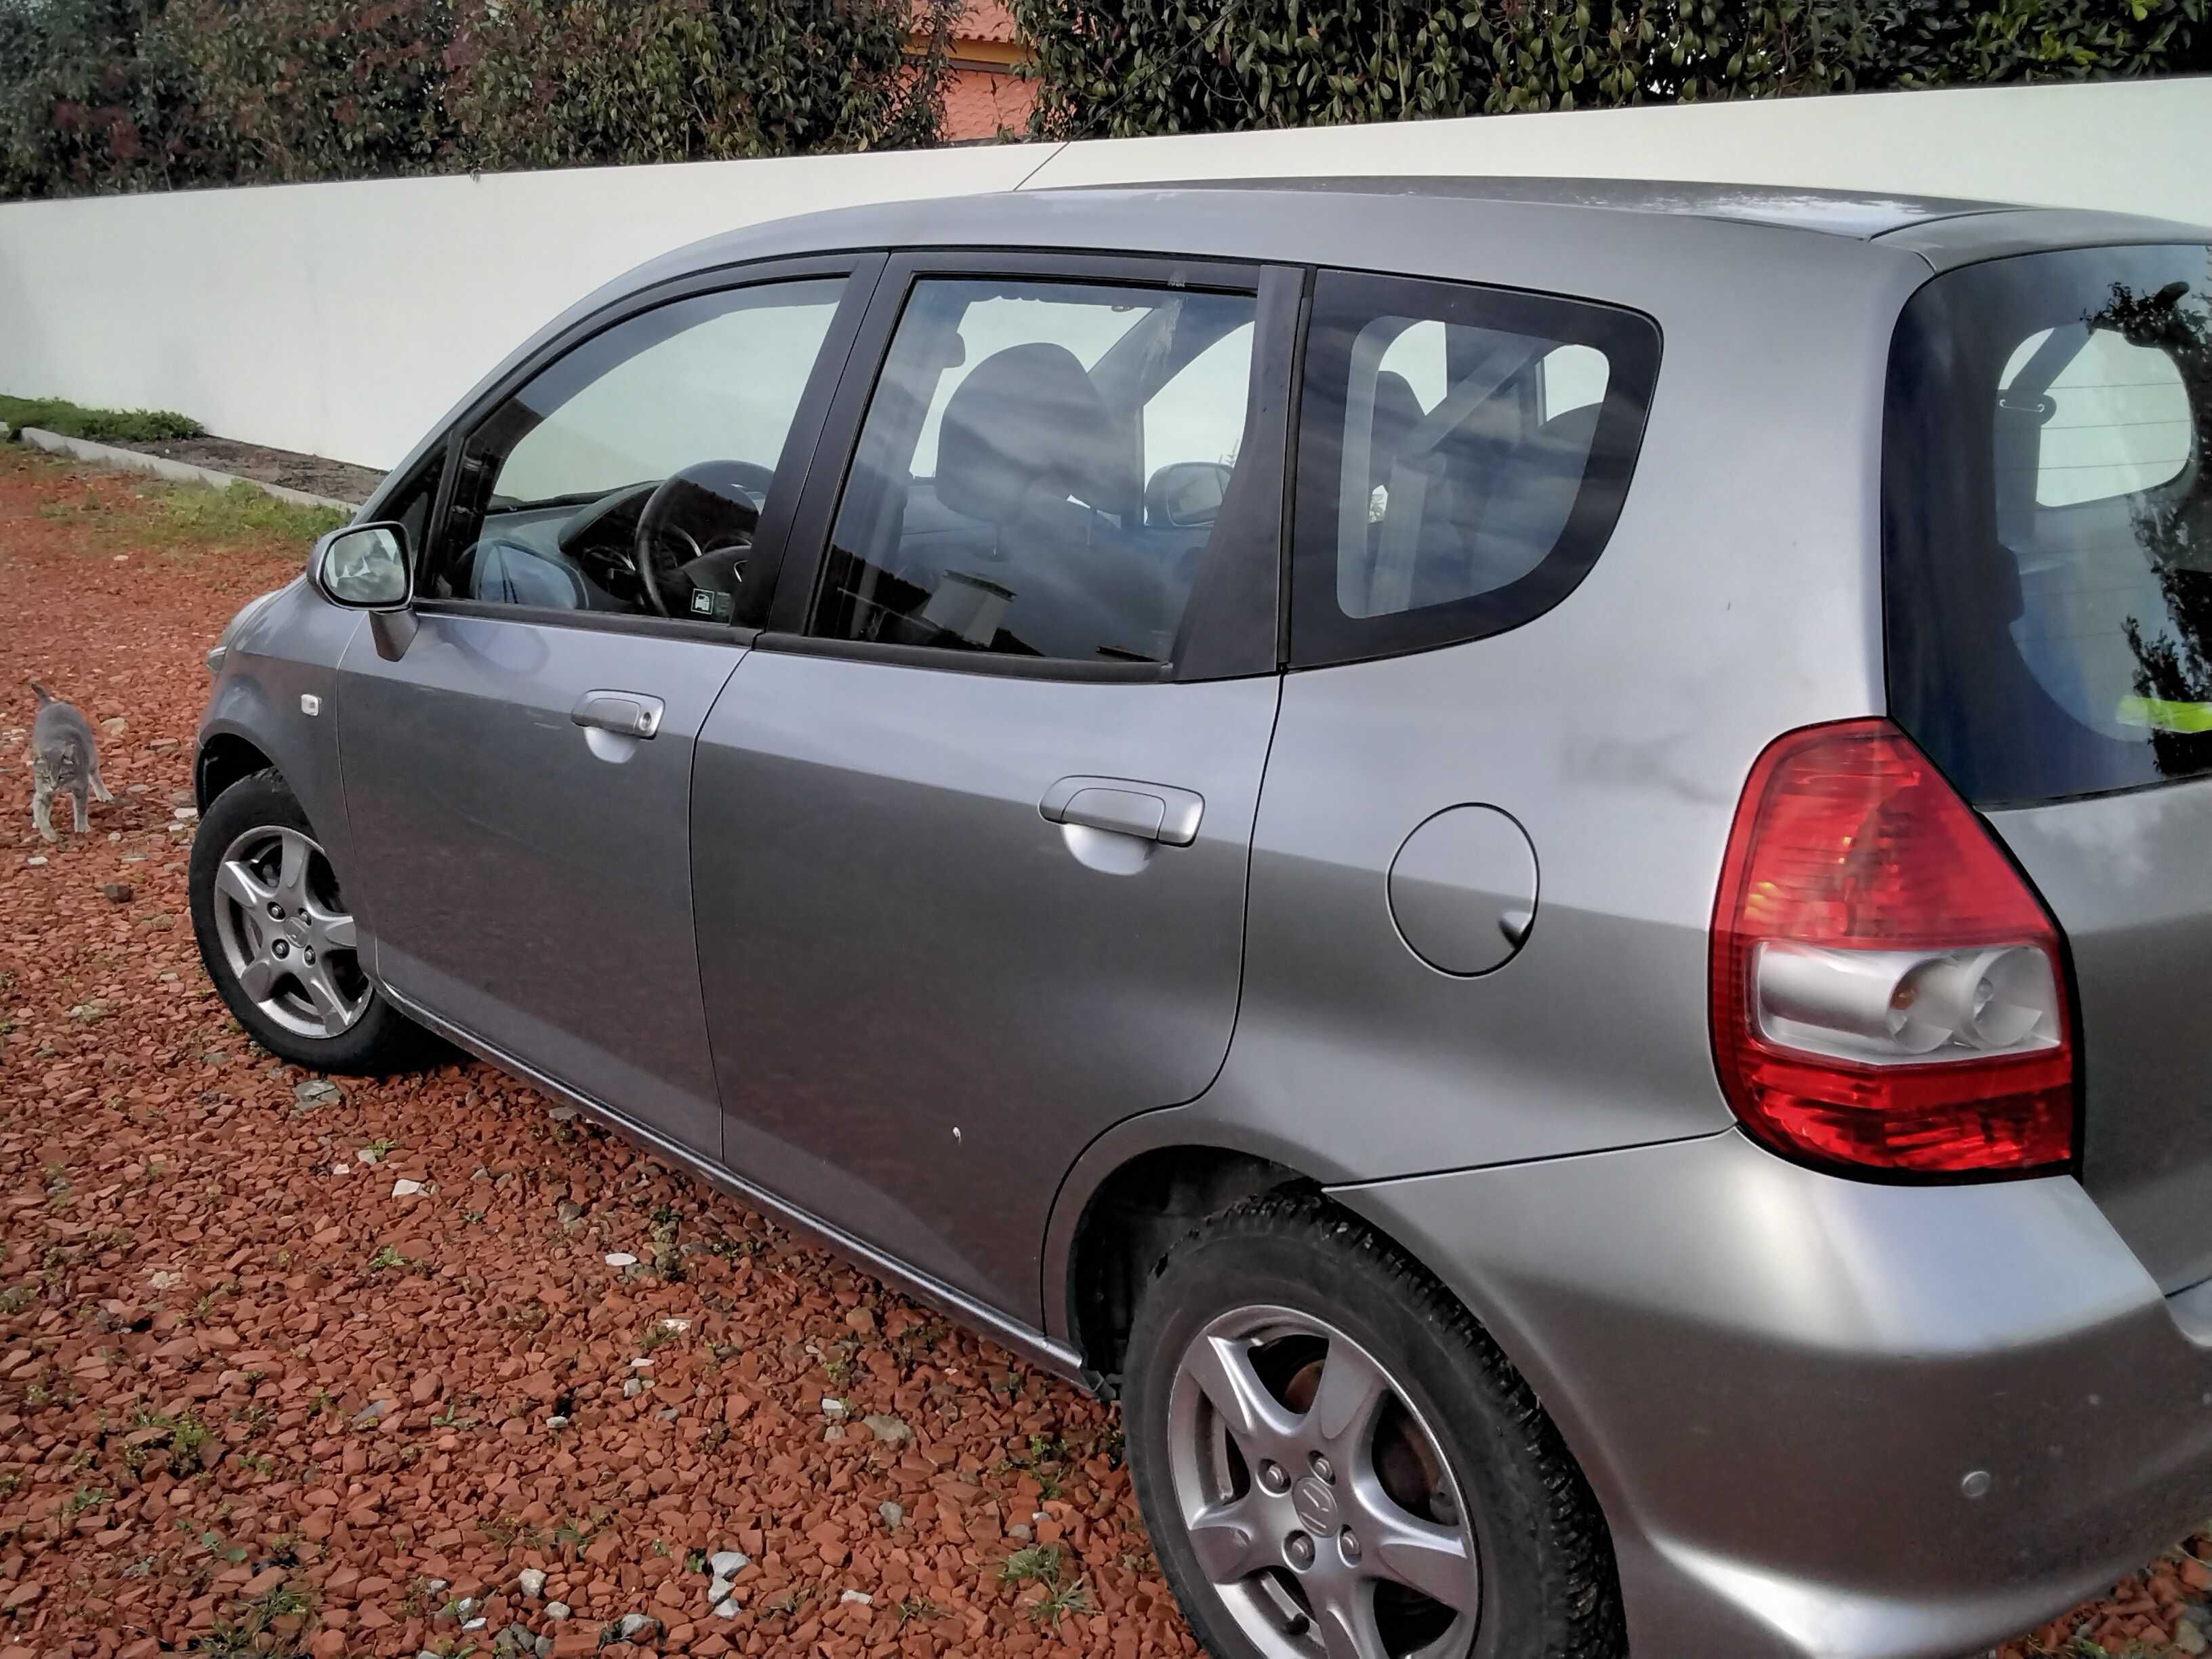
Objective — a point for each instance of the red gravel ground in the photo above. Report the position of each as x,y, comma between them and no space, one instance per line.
250,1402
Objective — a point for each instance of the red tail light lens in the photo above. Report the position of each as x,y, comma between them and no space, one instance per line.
1887,990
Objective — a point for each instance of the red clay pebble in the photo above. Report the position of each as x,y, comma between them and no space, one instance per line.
196,1311
238,1389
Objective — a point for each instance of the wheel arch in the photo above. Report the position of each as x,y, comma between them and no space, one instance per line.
225,758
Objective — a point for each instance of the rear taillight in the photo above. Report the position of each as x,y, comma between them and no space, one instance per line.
1887,989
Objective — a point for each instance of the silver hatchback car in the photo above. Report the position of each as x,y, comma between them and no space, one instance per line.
1528,858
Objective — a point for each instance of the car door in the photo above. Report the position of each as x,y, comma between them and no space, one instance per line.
518,757
969,832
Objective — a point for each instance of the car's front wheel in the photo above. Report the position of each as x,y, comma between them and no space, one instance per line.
1336,1462
278,940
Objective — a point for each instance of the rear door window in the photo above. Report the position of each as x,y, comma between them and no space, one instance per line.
1462,455
2048,583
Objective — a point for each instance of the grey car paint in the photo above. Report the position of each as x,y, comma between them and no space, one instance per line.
527,878
2126,875
1782,1384
1018,993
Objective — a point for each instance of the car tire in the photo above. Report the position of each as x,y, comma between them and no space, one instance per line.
254,826
1256,1509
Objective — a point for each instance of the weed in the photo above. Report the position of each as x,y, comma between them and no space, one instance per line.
82,1498
1043,1565
1061,1598
916,1607
246,1633
17,1297
1031,1563
694,1560
385,1256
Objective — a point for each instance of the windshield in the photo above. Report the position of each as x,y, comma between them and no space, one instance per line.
2047,522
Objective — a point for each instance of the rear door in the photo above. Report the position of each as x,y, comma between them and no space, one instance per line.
970,829
518,776
2048,592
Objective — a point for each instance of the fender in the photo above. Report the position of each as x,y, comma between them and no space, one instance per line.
264,698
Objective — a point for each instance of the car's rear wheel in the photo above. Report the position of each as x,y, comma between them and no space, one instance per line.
1336,1462
278,940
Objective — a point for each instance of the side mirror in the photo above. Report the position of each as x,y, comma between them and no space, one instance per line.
364,566
1185,494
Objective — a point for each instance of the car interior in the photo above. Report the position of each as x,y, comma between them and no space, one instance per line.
1035,530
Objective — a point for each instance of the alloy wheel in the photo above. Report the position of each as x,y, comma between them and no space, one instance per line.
286,934
1315,1498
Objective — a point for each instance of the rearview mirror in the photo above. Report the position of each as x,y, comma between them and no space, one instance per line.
1185,494
364,566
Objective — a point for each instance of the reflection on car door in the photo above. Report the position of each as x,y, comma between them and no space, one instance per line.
970,851
518,778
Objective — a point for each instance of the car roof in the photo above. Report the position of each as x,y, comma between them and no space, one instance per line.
1316,220
1861,215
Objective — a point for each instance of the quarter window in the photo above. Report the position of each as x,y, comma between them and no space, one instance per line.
1463,456
629,476
1042,471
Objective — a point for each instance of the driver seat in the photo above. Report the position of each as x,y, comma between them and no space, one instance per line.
508,572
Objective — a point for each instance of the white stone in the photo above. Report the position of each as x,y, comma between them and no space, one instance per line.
35,860
891,1515
556,1609
531,1582
341,1169
859,1598
831,1407
406,1189
633,1624
727,1608
718,1591
728,1564
556,1421
621,1258
678,1326
477,1622
561,1113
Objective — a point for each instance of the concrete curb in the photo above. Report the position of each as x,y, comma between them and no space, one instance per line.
162,467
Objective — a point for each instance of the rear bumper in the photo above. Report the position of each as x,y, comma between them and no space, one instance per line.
1779,1382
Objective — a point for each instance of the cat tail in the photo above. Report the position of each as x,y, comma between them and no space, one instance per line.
40,692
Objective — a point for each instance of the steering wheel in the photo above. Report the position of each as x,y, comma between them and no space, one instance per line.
707,508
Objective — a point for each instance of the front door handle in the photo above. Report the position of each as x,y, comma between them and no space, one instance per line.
627,714
1149,812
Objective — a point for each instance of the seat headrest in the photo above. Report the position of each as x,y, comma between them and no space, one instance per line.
1397,412
1026,428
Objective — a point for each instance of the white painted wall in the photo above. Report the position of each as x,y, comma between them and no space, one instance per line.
343,319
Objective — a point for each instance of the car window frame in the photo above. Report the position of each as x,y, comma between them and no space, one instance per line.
860,271
1234,627
1319,633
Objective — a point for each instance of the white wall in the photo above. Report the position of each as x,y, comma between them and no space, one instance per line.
343,319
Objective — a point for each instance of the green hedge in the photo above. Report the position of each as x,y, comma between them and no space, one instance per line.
1122,68
71,420
99,96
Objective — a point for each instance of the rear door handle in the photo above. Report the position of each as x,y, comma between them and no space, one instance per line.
629,714
1149,812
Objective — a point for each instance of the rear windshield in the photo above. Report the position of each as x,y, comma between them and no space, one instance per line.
2047,522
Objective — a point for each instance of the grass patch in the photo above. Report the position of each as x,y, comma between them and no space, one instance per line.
98,425
198,513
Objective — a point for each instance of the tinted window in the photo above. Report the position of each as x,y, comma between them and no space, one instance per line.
1042,470
629,475
2045,520
1463,456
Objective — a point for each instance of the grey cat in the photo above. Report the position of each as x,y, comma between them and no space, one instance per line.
64,760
